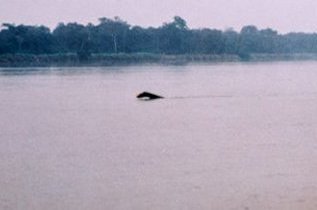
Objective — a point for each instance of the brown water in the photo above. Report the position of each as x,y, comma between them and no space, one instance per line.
228,136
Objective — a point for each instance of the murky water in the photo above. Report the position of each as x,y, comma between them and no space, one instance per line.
227,136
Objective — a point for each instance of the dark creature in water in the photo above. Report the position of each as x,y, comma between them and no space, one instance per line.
148,96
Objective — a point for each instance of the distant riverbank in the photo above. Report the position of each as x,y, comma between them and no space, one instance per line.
72,59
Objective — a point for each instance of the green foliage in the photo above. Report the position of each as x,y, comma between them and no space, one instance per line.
115,36
25,39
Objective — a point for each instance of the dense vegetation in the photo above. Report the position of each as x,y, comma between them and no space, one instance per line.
113,36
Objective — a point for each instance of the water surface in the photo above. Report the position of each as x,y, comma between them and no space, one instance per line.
227,136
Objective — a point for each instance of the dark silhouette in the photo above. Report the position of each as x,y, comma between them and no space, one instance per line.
148,96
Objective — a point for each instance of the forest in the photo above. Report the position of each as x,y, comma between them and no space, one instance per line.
116,36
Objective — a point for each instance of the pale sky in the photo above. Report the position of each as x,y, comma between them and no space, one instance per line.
282,15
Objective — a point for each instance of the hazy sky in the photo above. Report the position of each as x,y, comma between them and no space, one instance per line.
282,15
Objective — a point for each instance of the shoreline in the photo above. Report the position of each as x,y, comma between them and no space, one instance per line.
122,59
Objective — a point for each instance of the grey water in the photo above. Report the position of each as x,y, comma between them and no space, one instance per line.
226,136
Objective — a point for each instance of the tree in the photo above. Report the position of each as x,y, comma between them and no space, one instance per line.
231,39
71,37
268,40
117,36
172,36
114,31
248,41
141,40
25,39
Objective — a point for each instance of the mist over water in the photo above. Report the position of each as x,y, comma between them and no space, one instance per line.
227,136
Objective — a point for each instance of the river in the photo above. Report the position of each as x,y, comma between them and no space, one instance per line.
226,136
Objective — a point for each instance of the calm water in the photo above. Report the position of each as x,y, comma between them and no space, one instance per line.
228,136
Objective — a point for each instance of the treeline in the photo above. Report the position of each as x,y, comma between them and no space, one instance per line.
112,36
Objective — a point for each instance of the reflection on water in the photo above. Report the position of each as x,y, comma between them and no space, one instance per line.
227,136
